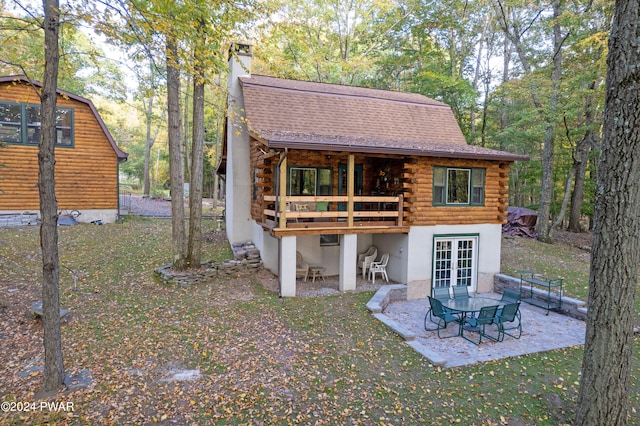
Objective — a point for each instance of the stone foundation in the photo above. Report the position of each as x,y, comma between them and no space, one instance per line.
23,219
246,261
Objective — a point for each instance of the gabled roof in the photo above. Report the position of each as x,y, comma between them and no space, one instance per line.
122,156
318,116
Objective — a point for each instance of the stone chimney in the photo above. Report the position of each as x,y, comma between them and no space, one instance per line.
238,173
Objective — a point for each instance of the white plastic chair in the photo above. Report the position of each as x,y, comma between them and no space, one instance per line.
365,259
379,267
302,267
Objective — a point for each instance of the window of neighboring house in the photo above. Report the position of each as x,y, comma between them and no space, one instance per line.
20,124
10,123
458,186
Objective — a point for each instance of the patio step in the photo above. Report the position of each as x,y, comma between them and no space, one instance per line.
396,327
433,357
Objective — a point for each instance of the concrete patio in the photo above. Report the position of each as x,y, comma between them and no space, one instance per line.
540,332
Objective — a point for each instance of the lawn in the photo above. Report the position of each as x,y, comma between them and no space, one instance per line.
261,359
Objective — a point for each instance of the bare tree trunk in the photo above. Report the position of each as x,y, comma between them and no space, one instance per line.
194,253
580,163
565,199
543,227
606,366
53,361
176,164
148,111
513,34
186,153
505,78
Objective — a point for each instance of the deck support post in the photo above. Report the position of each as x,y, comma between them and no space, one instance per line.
348,260
287,266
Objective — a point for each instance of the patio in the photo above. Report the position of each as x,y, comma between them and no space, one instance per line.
540,332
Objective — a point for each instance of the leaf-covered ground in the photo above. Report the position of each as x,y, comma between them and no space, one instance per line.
260,359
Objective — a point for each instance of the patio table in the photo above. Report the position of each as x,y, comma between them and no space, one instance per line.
469,305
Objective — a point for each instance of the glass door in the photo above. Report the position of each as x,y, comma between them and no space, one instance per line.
454,261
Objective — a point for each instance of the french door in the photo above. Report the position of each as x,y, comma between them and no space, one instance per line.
455,261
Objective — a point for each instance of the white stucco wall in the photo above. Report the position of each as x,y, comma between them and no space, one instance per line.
420,249
238,176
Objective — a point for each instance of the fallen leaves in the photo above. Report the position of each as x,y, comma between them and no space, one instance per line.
261,359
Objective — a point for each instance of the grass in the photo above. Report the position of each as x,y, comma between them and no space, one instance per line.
264,360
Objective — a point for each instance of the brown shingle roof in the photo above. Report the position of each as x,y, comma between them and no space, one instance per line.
318,116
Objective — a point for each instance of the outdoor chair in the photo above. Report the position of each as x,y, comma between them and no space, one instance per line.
379,267
460,292
509,313
510,296
444,315
487,316
440,293
365,259
302,267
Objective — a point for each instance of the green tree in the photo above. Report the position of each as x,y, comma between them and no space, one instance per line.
84,70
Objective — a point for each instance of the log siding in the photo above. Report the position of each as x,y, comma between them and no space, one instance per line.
410,176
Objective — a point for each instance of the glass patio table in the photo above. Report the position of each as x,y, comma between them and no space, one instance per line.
468,306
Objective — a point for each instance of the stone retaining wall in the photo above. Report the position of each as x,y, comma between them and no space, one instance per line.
246,261
571,307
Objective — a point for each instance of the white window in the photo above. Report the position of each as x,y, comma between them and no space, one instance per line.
458,186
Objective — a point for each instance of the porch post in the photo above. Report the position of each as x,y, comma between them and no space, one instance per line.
350,189
287,266
282,200
348,260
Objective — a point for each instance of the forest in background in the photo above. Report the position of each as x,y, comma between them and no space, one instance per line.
521,76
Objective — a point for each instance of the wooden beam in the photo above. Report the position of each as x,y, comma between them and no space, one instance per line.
282,206
350,188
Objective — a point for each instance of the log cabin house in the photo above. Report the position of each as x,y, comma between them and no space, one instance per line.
87,156
330,170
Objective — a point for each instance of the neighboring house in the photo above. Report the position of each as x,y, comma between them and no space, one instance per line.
87,157
330,170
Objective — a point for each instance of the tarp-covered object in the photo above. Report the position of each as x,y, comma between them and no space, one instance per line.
521,222
66,220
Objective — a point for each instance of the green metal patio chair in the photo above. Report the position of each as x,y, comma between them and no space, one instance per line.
440,293
460,291
510,296
487,316
445,316
509,313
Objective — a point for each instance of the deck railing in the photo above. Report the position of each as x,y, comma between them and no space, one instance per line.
333,211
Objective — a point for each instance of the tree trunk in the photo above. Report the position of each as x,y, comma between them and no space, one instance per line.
543,227
176,165
53,362
186,153
606,367
580,163
147,147
194,254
